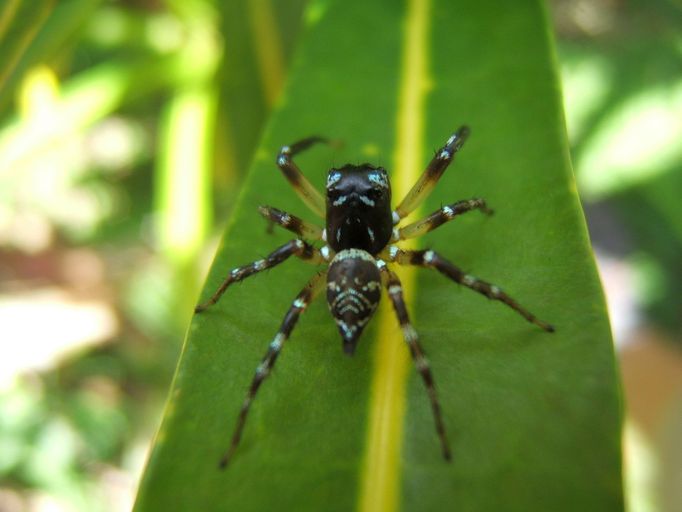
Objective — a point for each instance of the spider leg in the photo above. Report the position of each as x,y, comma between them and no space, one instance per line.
432,174
303,299
291,222
395,292
434,260
439,217
309,194
298,248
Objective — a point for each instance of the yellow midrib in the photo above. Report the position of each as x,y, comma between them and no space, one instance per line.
268,48
380,484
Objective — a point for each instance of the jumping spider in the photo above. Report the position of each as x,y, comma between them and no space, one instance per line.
360,230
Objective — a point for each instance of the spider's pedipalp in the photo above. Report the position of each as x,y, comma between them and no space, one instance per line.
395,293
299,248
299,305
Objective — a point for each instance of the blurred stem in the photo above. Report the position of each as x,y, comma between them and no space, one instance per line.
186,152
183,184
268,48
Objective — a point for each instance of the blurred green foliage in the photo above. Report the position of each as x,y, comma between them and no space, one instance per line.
117,79
88,90
623,81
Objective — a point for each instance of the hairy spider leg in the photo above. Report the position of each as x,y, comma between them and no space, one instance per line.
439,217
299,248
291,222
301,302
395,293
432,259
421,190
309,194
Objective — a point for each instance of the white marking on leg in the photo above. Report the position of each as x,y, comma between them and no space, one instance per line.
324,234
468,280
409,333
300,304
393,252
444,155
495,290
396,217
395,235
449,212
282,160
422,364
325,252
429,256
259,265
277,343
262,370
286,219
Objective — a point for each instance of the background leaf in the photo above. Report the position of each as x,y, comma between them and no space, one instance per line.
534,418
31,32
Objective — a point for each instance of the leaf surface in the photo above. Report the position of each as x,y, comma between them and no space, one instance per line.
534,418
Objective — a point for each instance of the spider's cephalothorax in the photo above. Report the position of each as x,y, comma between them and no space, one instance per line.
360,232
358,208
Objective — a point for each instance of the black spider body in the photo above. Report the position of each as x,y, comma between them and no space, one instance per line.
360,236
358,208
353,293
359,225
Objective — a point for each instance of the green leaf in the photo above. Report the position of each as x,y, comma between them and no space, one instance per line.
258,39
32,32
19,24
534,418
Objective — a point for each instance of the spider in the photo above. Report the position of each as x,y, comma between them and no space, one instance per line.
359,243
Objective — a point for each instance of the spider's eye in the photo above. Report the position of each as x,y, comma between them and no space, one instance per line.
333,194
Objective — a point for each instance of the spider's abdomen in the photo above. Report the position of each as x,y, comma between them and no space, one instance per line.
353,293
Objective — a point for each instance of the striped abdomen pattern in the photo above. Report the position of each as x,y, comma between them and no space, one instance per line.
353,293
